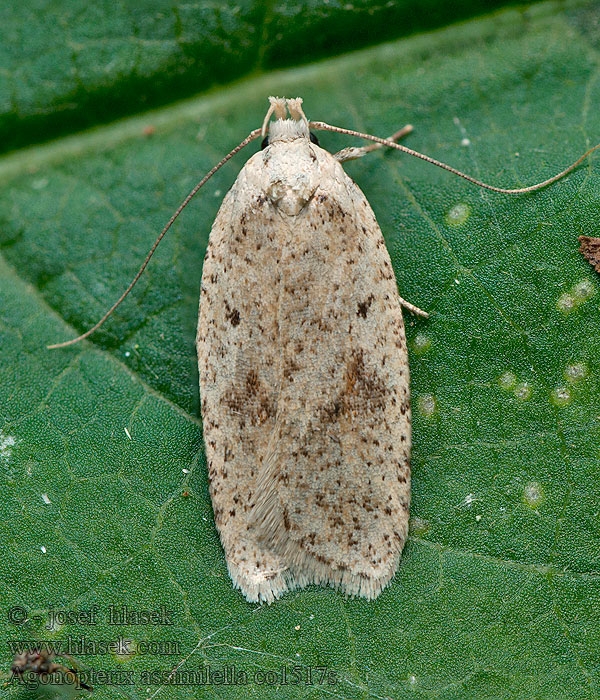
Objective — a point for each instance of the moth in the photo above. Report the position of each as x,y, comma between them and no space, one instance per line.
303,367
303,375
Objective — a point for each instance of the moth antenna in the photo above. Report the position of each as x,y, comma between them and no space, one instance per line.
429,159
251,136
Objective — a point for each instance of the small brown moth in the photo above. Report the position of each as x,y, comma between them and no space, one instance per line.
304,367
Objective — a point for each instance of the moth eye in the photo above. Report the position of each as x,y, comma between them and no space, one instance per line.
265,143
313,138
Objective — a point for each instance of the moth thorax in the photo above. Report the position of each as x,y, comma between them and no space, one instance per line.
288,130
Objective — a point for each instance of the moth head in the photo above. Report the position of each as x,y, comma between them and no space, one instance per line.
289,162
284,129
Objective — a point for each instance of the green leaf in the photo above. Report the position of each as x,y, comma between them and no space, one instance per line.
70,64
499,590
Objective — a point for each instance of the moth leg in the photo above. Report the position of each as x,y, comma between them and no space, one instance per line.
415,309
354,152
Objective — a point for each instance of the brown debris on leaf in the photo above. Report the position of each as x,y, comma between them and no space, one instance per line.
590,248
41,662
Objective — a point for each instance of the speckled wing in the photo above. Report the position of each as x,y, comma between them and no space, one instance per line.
334,486
304,381
239,359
